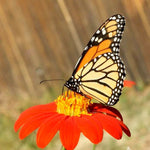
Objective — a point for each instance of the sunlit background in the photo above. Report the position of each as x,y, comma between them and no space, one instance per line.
42,39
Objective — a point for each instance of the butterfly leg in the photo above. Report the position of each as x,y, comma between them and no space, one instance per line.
63,90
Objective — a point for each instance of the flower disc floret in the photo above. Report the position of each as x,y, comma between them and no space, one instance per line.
72,104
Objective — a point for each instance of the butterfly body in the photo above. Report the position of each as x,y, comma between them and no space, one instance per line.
100,72
73,84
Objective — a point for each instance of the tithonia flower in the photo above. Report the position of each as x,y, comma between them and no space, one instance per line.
128,83
71,114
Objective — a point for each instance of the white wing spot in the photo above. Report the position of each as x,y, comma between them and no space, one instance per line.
117,20
98,31
103,31
122,20
95,59
114,48
119,16
96,39
117,49
115,39
92,39
117,57
86,48
113,57
114,18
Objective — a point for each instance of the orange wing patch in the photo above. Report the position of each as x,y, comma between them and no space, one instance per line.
104,45
95,51
88,56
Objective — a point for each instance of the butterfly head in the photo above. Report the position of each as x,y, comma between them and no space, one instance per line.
73,84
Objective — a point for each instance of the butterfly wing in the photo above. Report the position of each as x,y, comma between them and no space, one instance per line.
100,72
102,78
106,39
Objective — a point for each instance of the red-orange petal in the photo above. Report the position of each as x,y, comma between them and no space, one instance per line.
69,133
24,116
91,128
112,111
33,123
96,107
110,124
125,129
48,129
128,83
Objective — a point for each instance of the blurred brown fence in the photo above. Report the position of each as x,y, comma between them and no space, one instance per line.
42,39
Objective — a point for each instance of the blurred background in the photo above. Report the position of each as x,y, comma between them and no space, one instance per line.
42,39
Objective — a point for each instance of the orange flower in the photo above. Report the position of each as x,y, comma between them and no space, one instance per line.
128,83
71,114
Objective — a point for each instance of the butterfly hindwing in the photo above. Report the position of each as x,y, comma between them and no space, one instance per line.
102,78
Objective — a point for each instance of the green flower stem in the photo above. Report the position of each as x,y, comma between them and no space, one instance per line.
63,148
94,146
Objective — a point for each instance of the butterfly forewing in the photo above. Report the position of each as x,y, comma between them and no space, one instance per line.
106,39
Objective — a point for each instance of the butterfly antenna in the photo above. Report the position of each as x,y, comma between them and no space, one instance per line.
51,80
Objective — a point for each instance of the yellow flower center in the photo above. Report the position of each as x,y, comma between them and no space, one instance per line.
72,104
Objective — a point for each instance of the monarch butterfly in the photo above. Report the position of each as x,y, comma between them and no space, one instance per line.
100,72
